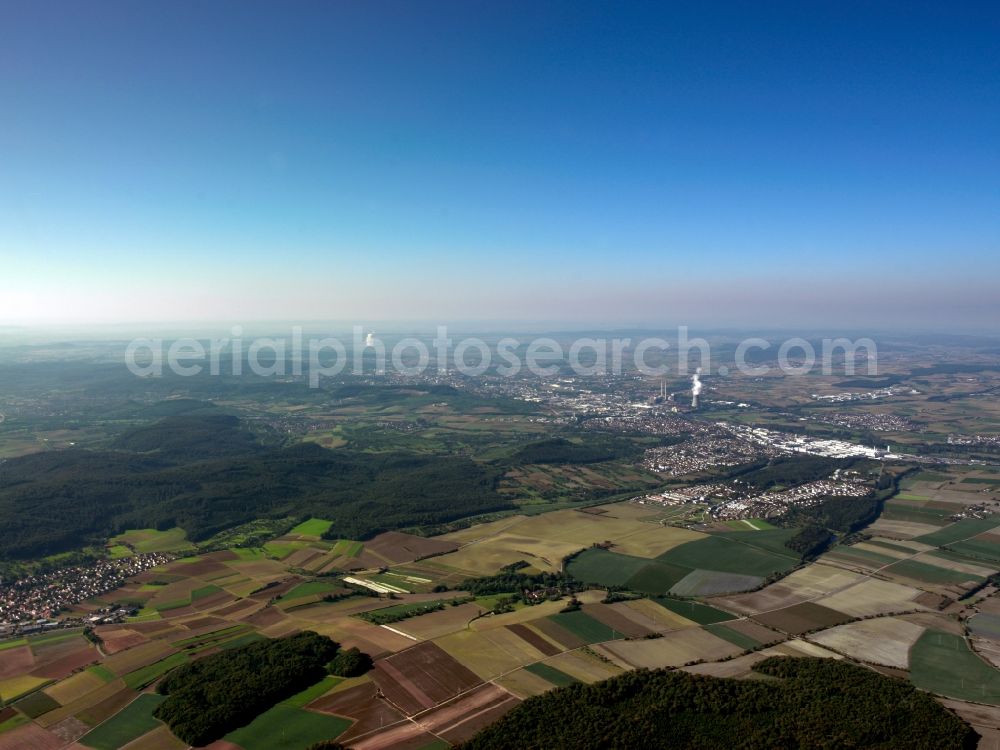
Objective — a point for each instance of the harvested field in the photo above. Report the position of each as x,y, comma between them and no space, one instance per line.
883,640
672,650
801,618
14,687
524,684
442,622
872,597
489,653
534,639
797,647
140,656
647,613
801,585
421,677
901,529
74,687
372,639
488,556
741,666
397,547
617,621
531,614
652,541
583,666
361,704
711,582
481,530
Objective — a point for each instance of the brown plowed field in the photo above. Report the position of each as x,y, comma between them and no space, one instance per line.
529,635
421,677
800,618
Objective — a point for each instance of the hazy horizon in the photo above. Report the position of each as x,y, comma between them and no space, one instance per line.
644,165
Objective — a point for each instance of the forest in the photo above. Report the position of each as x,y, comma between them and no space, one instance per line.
216,694
209,476
797,703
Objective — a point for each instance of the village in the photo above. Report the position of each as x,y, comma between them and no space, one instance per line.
30,604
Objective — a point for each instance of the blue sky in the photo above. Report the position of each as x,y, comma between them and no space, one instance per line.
609,164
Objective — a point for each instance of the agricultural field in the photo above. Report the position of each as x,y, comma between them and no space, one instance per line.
885,640
455,668
942,663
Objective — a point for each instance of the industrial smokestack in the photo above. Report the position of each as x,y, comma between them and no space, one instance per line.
695,388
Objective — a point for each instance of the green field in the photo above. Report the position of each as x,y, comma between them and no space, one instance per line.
605,568
347,548
862,555
977,550
313,527
204,591
735,552
213,637
133,721
289,728
36,704
583,625
400,610
656,578
17,642
985,624
310,588
749,524
736,638
101,671
769,539
920,571
13,722
551,674
694,611
151,540
313,692
144,676
721,553
967,527
942,663
118,551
